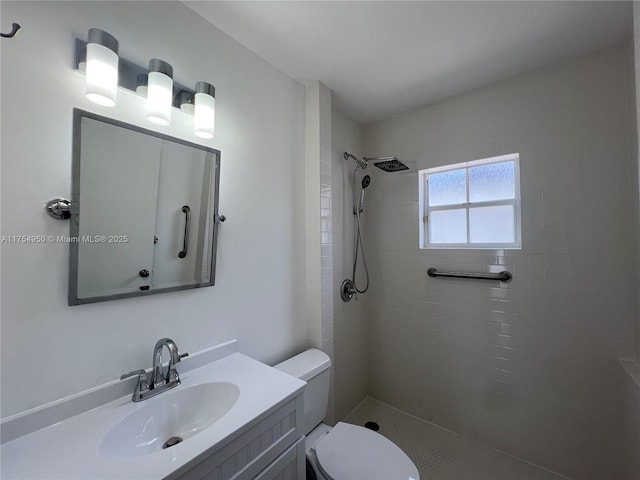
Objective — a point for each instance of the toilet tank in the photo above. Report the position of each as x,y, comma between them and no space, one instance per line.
312,366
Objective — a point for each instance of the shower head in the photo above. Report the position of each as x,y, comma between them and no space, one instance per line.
391,164
360,163
388,164
366,180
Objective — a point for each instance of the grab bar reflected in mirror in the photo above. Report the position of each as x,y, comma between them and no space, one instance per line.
187,225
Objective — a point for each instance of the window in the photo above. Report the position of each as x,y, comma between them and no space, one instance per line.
471,204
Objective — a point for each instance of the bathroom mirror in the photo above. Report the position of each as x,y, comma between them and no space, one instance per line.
144,212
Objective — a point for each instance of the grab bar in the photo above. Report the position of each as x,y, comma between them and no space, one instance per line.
503,276
187,225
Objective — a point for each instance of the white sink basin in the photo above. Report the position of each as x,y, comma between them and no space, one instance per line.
222,393
181,413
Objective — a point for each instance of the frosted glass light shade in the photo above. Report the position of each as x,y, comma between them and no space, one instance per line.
205,110
159,92
102,68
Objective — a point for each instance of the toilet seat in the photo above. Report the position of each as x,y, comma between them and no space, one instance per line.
350,452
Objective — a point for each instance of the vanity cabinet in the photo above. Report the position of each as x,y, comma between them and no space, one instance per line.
270,449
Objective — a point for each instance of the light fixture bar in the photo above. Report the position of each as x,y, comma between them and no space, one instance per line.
186,101
127,72
155,83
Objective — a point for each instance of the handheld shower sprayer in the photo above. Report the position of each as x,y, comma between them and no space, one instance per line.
365,183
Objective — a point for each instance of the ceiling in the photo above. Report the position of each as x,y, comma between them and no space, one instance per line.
382,58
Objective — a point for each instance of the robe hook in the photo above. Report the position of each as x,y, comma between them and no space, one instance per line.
14,29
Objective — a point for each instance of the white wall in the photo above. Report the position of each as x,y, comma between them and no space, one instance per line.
50,350
349,326
530,367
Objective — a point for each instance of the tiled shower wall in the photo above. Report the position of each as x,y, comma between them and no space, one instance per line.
529,367
350,380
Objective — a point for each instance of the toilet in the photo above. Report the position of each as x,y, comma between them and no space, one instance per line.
346,451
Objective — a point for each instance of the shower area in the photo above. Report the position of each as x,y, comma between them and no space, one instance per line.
532,378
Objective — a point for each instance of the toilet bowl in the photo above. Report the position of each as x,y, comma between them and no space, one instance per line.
351,452
346,451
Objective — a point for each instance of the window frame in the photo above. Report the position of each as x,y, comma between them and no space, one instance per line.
425,210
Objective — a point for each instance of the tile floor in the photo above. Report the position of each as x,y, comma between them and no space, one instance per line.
443,455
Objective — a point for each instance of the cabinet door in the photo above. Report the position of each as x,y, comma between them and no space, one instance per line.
108,263
288,466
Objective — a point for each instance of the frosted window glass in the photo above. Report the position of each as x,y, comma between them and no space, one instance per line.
492,224
447,188
492,182
448,226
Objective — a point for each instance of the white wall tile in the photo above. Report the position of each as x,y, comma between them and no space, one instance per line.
349,329
529,367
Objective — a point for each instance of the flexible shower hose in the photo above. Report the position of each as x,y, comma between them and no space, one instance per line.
359,244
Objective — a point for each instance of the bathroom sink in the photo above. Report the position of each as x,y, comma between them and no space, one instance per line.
168,419
104,434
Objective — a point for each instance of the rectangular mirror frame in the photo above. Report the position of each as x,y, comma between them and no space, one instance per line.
74,228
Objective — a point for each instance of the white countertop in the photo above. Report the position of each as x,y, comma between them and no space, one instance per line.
71,449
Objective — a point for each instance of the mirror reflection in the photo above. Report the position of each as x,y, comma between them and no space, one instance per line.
145,212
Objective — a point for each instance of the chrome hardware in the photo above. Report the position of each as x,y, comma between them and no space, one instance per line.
503,276
220,218
131,374
171,442
144,288
159,381
347,290
187,225
158,377
144,273
58,208
360,163
142,386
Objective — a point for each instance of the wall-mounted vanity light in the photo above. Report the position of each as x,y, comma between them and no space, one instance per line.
106,71
102,68
205,111
159,92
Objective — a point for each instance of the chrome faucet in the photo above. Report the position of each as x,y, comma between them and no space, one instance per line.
160,381
171,378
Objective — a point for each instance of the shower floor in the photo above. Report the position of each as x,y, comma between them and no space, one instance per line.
441,454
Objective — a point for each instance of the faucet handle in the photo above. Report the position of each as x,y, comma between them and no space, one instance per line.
131,374
182,355
142,387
